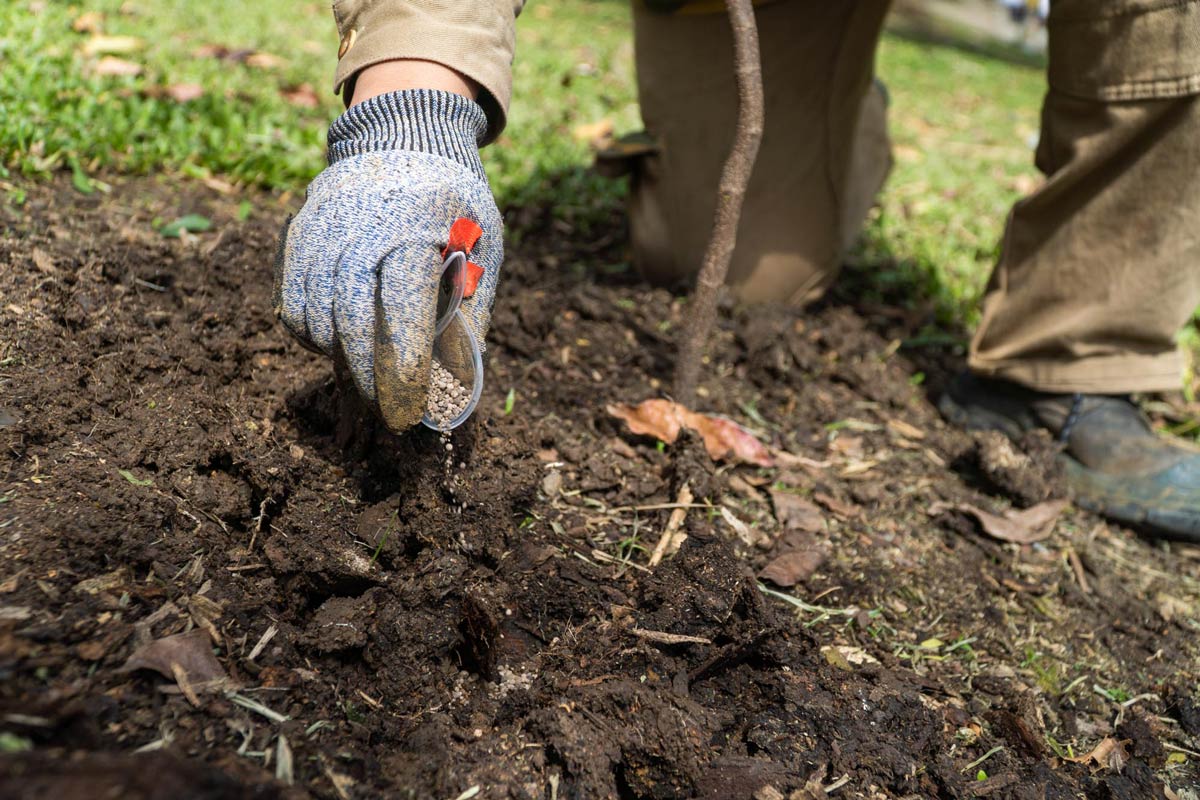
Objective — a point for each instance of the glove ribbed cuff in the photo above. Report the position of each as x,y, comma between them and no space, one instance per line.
420,120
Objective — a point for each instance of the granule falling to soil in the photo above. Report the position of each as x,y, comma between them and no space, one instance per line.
447,396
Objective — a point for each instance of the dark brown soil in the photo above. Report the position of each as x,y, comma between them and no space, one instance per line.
173,461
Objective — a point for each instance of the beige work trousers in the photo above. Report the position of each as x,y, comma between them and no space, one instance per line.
1100,266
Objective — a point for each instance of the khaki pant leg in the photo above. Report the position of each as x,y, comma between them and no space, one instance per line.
804,201
1101,266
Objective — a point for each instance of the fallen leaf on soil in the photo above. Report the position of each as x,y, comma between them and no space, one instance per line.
10,584
303,95
1110,754
851,446
722,437
44,261
113,66
792,567
788,460
848,510
101,44
190,652
15,613
1033,524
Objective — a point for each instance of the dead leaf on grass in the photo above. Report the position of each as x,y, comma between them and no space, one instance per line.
100,44
1031,525
796,513
723,438
117,67
304,95
264,61
595,133
792,567
190,652
185,92
88,22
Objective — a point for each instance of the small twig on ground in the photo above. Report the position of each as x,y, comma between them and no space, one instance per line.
735,176
1077,567
671,539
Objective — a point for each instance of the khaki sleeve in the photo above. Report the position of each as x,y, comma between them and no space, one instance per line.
474,37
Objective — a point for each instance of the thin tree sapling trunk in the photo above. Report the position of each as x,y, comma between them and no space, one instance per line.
735,175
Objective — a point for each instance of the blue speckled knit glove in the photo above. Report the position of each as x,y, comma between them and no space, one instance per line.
358,267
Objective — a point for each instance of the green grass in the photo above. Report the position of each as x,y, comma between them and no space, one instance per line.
963,127
963,120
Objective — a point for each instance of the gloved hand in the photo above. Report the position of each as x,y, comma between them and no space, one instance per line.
358,268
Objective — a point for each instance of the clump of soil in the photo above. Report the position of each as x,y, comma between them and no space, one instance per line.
1027,471
174,462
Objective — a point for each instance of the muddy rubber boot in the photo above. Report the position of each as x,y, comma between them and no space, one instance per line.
1116,465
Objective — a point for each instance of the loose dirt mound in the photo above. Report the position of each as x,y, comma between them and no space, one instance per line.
392,619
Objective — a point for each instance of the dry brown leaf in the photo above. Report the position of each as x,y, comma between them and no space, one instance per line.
792,567
788,460
593,132
1110,754
847,510
44,261
220,51
723,438
100,44
851,446
264,61
191,652
111,65
303,95
185,92
88,22
1022,527
795,513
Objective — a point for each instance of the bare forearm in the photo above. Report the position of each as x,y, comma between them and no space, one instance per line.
394,76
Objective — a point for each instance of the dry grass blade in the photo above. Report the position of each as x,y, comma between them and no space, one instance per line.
662,637
251,704
283,761
267,636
